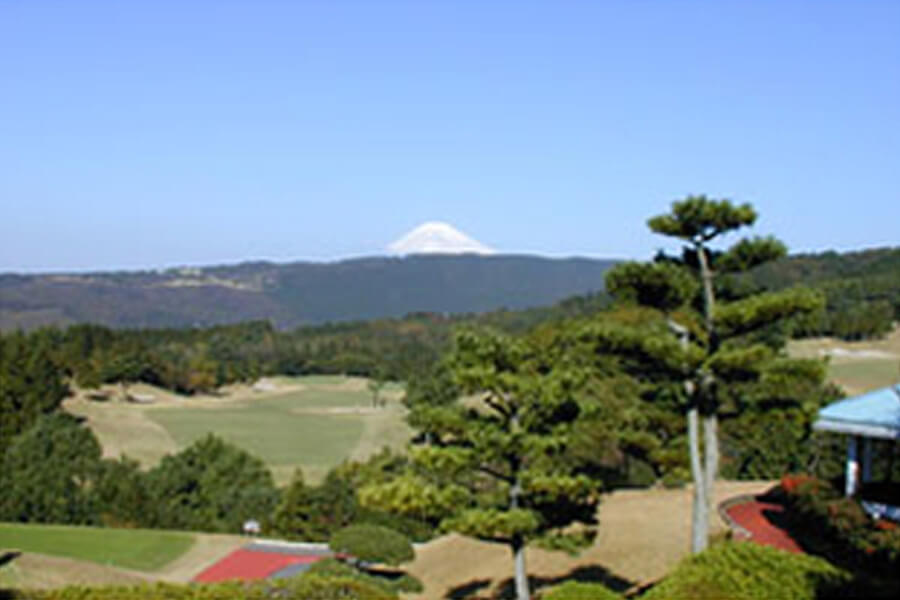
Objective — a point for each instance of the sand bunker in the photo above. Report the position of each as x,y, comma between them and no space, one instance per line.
847,353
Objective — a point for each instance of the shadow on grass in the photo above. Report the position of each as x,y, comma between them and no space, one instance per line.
468,590
584,574
7,557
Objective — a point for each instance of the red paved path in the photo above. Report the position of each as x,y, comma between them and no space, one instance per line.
750,515
247,565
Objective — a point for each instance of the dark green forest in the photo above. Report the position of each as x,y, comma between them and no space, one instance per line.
294,294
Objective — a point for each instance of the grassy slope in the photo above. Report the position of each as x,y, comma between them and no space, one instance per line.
141,550
857,367
30,571
309,422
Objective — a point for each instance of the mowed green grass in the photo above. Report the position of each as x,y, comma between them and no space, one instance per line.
857,367
865,375
141,550
315,428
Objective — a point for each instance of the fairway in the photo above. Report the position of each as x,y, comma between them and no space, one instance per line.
313,422
272,429
861,376
857,367
141,550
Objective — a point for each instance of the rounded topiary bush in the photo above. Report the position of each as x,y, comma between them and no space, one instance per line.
392,581
373,544
748,571
574,590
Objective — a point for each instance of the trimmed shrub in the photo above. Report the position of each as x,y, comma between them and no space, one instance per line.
574,590
747,571
373,544
308,587
387,581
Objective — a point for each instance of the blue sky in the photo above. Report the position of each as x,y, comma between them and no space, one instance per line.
152,134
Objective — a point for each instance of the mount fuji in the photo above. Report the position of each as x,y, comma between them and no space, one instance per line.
435,237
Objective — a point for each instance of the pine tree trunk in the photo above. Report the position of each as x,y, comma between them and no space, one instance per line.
708,401
700,516
710,455
522,591
518,544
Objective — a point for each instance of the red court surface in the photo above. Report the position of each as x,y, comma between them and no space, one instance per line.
751,515
248,565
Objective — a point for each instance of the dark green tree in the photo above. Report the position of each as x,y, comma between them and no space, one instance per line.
122,494
211,486
49,473
712,344
31,384
496,468
375,386
313,513
433,388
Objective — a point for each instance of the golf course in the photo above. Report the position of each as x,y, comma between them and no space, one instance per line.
312,422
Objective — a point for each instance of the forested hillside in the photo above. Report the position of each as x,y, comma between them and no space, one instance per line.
301,293
862,290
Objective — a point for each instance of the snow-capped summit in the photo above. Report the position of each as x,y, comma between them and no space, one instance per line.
435,237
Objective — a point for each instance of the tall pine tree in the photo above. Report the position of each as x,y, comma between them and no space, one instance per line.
714,344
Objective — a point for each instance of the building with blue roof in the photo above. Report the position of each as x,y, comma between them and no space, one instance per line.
869,419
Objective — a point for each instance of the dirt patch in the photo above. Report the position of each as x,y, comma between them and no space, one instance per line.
840,350
124,429
39,571
642,535
851,354
385,428
349,384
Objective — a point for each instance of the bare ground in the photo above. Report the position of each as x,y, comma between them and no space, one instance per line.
642,535
31,571
841,351
124,429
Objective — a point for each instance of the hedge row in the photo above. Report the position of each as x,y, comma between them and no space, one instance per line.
308,587
747,571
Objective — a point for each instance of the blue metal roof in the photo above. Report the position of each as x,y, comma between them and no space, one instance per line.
874,414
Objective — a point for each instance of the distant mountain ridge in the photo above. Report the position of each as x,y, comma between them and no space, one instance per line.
298,293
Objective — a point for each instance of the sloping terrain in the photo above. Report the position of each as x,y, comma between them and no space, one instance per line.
296,293
642,535
311,422
49,556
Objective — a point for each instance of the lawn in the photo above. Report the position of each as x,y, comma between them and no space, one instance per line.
864,375
857,367
315,428
270,429
312,422
140,550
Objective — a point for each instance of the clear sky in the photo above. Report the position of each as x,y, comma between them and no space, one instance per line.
151,134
